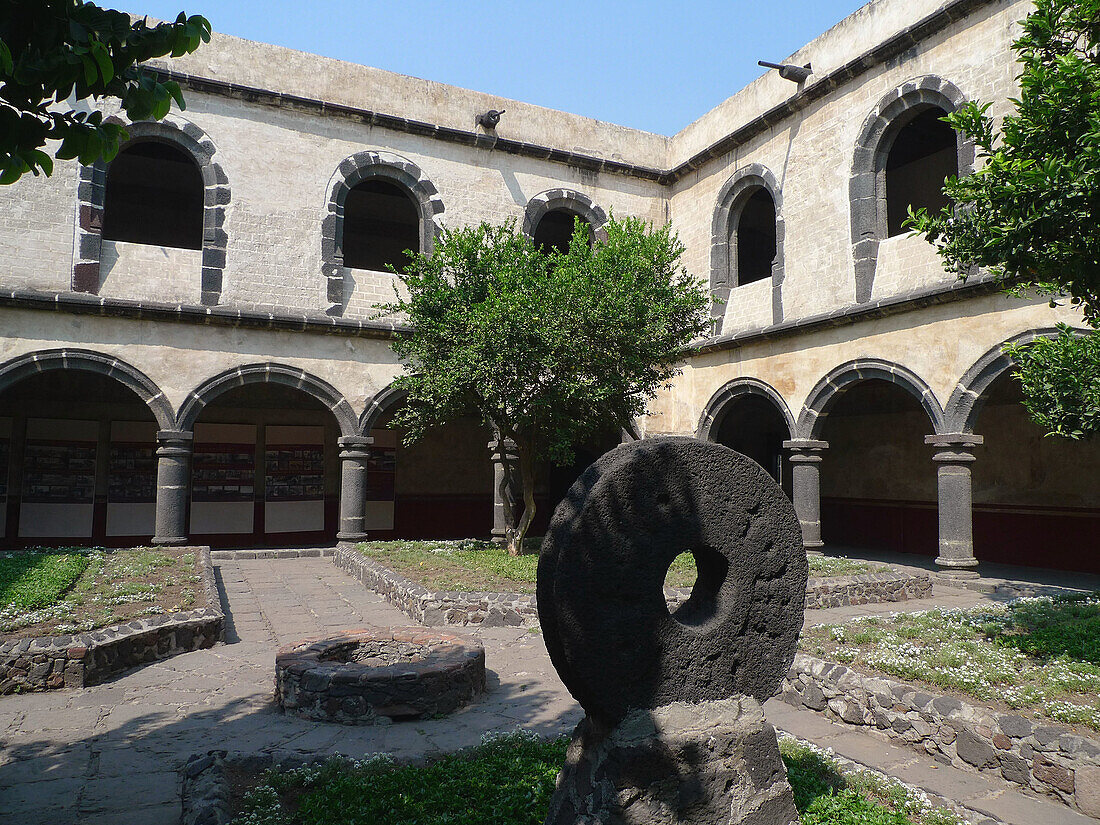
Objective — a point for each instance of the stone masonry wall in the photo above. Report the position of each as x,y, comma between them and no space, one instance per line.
1044,758
434,609
83,659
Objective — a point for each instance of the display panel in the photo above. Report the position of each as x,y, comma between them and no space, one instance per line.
131,473
58,472
223,472
295,472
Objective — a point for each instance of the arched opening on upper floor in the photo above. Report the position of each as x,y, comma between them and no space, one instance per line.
554,231
381,225
923,154
753,238
154,195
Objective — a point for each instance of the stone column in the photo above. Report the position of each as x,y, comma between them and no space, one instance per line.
174,448
354,459
502,453
805,459
954,453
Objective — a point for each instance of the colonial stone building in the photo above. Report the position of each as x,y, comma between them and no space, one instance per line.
190,351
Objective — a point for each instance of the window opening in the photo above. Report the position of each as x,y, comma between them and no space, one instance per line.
154,195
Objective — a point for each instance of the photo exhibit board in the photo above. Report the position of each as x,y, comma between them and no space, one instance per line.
132,478
294,479
381,472
5,468
223,478
57,495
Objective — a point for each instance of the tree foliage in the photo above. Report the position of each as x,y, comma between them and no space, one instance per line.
53,51
1029,213
548,349
1060,378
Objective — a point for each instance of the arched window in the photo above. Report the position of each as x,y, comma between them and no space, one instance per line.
154,195
381,222
924,153
752,236
555,230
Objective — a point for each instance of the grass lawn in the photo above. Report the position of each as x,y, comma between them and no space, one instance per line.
473,565
45,593
508,780
1040,656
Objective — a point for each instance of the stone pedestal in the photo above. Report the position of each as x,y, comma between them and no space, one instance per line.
711,763
174,449
805,458
503,454
954,453
354,459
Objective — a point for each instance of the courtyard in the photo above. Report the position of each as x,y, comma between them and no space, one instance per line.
112,753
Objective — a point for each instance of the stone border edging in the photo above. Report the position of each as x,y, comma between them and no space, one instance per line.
307,553
866,588
432,609
519,610
83,659
1047,759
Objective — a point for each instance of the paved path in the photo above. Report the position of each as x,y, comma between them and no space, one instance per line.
109,754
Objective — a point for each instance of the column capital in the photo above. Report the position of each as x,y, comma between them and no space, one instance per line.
954,440
175,435
804,450
953,448
353,442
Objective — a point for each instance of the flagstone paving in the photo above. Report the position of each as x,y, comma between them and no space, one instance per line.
110,753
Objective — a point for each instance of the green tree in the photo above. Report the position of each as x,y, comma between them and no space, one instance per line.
55,51
548,349
1029,214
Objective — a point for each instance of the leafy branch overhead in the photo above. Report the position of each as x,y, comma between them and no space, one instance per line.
548,349
53,52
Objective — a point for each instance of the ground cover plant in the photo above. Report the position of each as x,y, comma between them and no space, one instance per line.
508,780
1040,656
472,565
47,592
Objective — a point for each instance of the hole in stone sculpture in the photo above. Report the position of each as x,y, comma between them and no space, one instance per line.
711,568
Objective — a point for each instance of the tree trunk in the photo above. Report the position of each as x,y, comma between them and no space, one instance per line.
526,469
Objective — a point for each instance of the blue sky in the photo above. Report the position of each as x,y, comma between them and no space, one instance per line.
651,65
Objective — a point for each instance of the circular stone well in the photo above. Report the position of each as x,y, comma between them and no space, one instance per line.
375,676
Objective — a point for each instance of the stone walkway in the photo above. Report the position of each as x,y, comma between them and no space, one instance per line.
109,754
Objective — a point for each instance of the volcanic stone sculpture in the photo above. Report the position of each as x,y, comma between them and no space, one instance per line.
673,731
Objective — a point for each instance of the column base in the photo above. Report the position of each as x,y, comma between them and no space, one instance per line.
351,538
957,568
170,541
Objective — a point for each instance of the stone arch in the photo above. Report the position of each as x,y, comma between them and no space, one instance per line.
968,397
731,200
351,172
730,392
568,199
826,392
867,185
91,192
288,376
381,403
130,377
